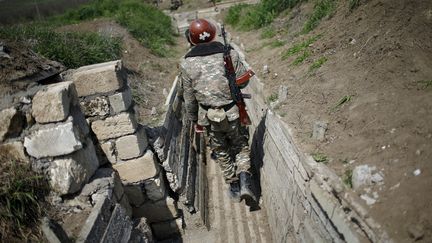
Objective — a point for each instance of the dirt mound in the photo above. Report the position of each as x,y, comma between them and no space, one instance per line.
374,92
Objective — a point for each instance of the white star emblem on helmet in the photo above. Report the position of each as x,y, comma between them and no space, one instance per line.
204,35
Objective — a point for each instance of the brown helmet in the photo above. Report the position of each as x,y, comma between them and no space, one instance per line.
201,31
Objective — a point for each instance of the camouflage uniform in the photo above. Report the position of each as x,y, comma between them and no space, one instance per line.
208,102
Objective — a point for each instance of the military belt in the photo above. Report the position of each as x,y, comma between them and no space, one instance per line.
225,107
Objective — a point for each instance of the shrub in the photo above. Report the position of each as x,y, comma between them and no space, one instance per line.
21,194
70,48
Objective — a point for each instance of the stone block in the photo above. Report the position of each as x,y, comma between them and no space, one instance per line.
108,149
159,211
102,180
14,150
98,106
52,103
53,232
115,126
95,225
138,169
99,78
124,202
69,173
155,188
11,123
119,226
132,146
168,229
141,232
53,141
135,194
120,101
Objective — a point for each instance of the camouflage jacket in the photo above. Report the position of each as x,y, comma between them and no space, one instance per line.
203,82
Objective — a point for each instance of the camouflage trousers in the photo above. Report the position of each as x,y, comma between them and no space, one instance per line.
230,146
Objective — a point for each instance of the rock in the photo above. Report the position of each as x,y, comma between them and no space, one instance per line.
102,180
283,93
119,226
155,188
25,100
377,177
153,111
53,232
417,172
141,232
132,146
95,107
52,141
108,149
266,69
162,210
115,126
418,152
11,123
124,202
164,92
70,173
135,194
362,175
96,223
138,169
121,101
369,200
14,150
416,232
319,129
52,103
98,78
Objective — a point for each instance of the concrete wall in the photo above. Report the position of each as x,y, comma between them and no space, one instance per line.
302,198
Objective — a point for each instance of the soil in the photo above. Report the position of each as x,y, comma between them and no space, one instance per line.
379,56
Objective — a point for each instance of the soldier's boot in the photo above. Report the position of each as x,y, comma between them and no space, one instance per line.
234,191
246,191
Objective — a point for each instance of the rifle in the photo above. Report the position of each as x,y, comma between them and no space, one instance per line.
236,93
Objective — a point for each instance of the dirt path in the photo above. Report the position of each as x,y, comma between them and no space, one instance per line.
230,222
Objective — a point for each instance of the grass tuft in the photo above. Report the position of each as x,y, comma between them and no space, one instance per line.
352,4
272,98
320,157
299,47
322,9
425,83
342,101
21,194
318,63
347,178
300,59
268,33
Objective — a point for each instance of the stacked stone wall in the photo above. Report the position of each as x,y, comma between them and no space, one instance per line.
302,197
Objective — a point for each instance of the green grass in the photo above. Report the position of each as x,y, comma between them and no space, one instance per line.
322,9
272,98
352,4
71,49
249,17
342,101
318,63
21,194
276,43
425,83
299,47
268,33
347,178
300,59
320,157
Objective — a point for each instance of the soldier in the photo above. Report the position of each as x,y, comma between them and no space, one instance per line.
209,104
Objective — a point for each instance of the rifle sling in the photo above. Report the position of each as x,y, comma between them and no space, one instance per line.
206,49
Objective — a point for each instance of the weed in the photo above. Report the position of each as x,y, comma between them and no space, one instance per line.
342,101
322,9
425,83
300,59
353,4
21,192
299,47
268,33
248,17
345,161
272,98
347,177
320,158
318,63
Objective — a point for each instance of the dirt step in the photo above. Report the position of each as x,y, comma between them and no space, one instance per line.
229,221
